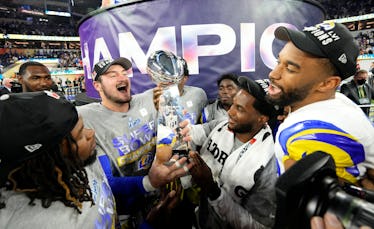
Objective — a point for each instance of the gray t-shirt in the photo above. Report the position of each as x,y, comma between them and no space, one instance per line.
193,100
213,111
128,138
19,214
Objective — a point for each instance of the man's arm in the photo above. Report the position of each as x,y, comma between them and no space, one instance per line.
130,186
232,212
197,133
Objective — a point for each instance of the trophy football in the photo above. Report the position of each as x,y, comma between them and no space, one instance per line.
166,69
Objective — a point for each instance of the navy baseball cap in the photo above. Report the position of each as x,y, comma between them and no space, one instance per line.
102,66
327,40
32,123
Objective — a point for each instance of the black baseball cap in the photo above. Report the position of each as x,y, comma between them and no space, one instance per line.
102,66
258,89
327,40
31,123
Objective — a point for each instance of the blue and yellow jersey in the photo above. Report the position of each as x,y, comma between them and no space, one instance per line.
303,138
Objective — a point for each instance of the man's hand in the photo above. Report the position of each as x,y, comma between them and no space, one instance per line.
185,126
329,221
157,91
161,173
201,173
168,201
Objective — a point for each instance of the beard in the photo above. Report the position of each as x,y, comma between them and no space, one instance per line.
91,159
241,128
115,99
291,97
226,103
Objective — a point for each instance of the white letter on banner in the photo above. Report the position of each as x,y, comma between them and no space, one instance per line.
86,60
164,39
191,50
247,47
101,49
266,44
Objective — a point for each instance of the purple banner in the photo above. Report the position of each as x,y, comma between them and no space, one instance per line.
214,36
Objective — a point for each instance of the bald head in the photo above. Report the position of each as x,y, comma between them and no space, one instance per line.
7,82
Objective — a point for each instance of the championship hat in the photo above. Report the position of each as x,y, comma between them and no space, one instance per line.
102,66
327,40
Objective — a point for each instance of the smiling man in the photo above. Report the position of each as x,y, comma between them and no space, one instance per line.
310,68
34,76
237,167
125,136
227,89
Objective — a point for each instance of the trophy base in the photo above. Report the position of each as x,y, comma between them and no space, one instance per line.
180,152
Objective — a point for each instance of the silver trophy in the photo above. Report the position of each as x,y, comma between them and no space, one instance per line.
166,69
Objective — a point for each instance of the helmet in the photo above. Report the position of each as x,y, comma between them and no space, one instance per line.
165,67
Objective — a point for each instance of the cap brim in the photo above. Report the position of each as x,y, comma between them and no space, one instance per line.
299,39
252,87
124,62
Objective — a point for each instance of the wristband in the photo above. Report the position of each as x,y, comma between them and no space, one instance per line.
147,184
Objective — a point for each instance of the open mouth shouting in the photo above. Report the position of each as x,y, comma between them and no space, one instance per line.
274,90
122,87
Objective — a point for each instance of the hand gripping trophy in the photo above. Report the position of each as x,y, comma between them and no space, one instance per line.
166,69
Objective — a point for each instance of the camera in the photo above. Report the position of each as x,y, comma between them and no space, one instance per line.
311,188
16,87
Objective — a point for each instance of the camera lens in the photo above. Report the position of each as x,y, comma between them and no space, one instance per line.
310,188
352,211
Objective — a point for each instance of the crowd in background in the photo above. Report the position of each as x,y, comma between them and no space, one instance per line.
346,8
65,59
365,40
35,27
14,21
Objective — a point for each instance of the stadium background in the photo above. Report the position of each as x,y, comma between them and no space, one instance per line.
47,31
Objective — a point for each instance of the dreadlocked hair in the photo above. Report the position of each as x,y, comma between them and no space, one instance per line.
51,176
